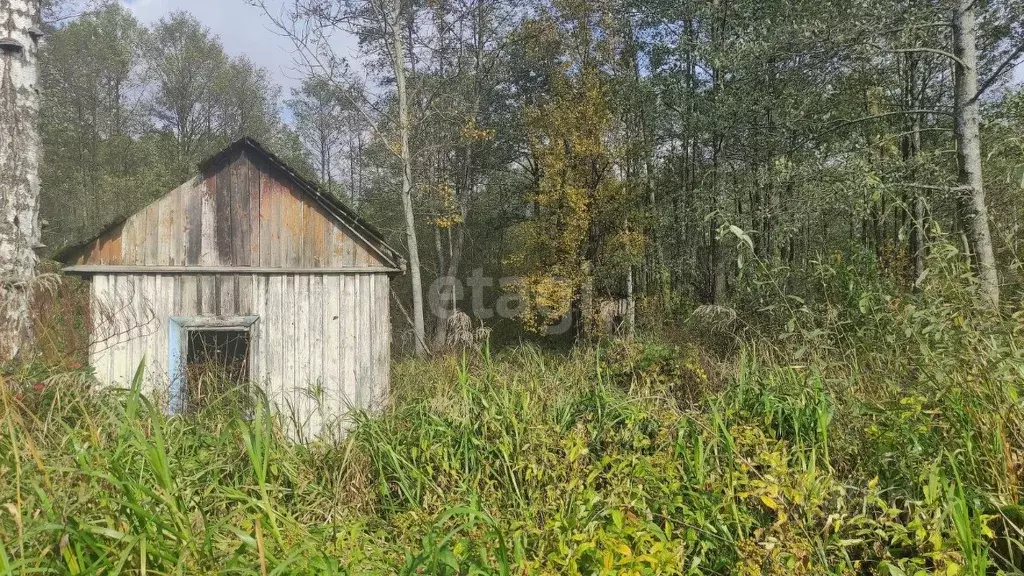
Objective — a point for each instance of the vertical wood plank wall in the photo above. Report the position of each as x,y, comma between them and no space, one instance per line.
320,347
242,213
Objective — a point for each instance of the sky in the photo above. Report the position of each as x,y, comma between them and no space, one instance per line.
243,30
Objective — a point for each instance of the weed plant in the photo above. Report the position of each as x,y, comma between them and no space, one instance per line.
882,439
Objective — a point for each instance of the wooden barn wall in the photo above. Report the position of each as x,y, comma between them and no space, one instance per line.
244,212
321,344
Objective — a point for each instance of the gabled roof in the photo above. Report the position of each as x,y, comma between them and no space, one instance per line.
341,213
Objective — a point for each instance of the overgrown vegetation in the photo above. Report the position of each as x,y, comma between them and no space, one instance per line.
771,186
882,437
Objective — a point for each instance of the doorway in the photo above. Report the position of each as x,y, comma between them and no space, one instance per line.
216,366
209,363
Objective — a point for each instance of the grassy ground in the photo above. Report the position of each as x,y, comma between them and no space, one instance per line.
882,438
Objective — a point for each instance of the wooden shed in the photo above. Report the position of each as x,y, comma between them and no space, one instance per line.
252,250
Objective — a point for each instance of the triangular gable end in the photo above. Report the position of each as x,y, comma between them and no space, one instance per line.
246,208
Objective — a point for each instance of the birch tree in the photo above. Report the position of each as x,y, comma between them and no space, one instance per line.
968,141
392,24
19,169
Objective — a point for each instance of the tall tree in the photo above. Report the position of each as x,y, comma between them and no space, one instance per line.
968,140
319,120
582,238
99,164
245,101
186,61
465,75
126,112
395,24
19,170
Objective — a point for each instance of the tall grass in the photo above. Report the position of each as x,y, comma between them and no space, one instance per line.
105,483
882,441
523,463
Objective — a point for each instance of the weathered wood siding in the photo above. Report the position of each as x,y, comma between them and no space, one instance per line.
242,212
248,242
320,346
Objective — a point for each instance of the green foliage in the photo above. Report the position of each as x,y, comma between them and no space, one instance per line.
652,368
128,111
896,456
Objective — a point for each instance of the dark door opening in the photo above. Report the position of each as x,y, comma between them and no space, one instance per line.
216,367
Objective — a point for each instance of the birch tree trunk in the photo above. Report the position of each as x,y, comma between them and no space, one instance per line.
968,140
404,128
19,171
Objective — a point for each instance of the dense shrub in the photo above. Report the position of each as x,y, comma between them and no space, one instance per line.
682,374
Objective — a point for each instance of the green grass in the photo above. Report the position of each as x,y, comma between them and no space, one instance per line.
883,440
524,463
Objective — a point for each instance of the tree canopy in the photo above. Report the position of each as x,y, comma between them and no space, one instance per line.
670,153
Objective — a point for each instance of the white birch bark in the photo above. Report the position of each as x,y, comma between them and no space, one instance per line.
968,140
404,128
19,171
